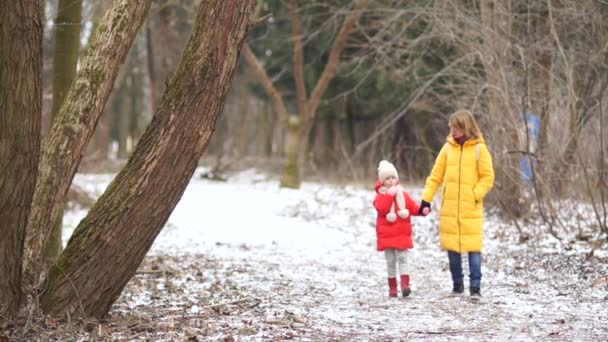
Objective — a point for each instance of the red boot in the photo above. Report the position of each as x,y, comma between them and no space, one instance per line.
405,285
392,287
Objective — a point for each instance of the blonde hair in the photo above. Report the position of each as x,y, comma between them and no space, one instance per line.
464,120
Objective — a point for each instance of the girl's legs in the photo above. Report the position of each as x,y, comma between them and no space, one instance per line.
403,271
402,260
391,268
391,262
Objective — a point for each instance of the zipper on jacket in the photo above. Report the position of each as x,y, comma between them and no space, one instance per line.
458,207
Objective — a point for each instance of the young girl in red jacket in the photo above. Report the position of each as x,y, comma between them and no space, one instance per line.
393,225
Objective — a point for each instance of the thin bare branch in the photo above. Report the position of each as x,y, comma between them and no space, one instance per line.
272,92
332,62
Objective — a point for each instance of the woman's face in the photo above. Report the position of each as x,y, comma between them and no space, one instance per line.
455,131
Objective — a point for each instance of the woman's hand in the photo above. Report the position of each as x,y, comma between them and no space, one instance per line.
425,208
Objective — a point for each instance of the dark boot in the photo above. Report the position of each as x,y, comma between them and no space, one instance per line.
392,287
475,292
405,285
458,288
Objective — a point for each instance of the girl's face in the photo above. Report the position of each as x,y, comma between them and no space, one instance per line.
390,181
455,131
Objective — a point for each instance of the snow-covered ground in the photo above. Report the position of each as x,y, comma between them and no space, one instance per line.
245,260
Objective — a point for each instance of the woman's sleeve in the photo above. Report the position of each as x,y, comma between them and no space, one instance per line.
436,176
486,174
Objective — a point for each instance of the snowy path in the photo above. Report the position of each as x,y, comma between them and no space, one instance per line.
304,266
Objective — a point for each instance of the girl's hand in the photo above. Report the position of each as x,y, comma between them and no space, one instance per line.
392,191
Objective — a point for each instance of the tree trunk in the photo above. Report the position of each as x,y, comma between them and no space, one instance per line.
122,118
290,177
166,51
67,42
151,67
63,148
270,124
109,244
545,64
99,146
21,26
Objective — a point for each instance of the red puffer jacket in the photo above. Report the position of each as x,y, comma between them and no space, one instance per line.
398,234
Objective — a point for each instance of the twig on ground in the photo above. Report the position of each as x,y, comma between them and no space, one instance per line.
243,300
150,271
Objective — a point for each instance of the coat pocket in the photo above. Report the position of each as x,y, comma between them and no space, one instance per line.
475,200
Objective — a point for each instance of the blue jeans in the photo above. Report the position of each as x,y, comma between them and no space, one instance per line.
474,267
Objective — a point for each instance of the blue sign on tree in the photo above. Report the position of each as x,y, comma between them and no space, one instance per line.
533,127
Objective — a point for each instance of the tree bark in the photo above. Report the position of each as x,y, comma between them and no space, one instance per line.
67,42
21,27
109,244
63,148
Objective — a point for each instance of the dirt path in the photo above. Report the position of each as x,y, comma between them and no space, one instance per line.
280,265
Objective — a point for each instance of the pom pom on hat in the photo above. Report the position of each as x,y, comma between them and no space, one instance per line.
391,217
385,170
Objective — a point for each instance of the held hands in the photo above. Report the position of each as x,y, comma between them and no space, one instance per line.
425,208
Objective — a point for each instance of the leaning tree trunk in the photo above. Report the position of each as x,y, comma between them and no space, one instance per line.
20,116
64,146
67,42
110,243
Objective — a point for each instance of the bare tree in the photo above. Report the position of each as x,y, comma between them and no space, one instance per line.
72,129
299,126
108,245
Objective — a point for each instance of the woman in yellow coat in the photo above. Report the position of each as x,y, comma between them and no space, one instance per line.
464,168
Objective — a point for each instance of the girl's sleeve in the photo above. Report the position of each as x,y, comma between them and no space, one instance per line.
436,176
383,203
486,174
411,206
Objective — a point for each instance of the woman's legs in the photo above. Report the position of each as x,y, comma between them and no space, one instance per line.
455,267
475,269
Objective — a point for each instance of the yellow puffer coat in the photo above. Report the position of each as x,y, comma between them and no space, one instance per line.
466,173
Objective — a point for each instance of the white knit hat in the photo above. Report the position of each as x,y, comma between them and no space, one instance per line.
385,170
